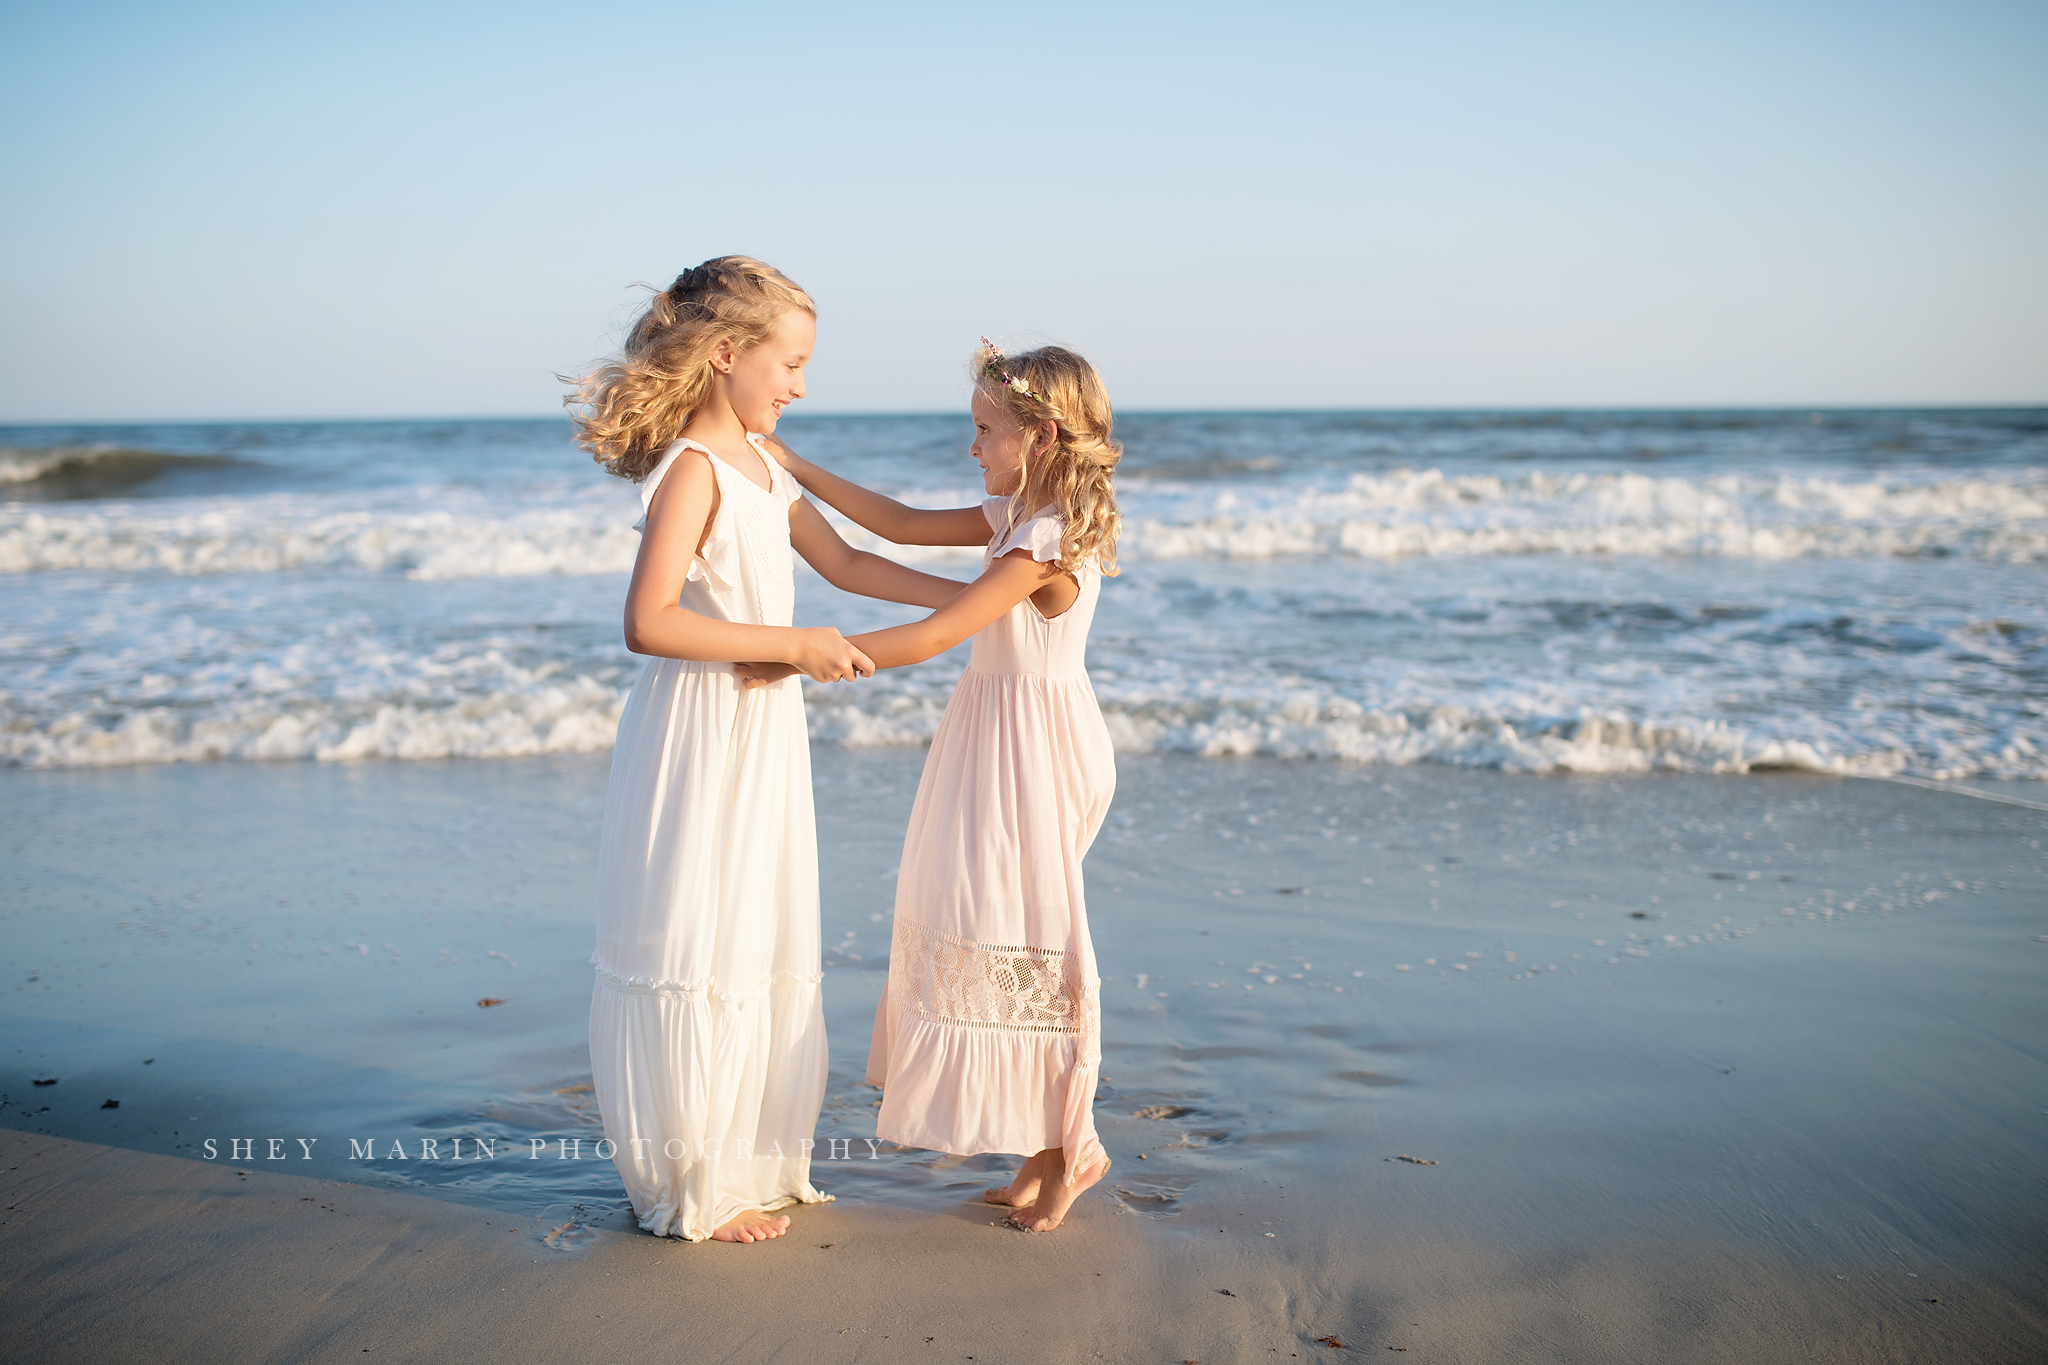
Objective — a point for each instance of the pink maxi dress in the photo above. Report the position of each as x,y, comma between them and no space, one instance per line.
989,1036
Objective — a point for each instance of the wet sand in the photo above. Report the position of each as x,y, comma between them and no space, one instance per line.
1779,1099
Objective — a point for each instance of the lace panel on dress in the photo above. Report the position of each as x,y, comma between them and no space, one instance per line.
952,980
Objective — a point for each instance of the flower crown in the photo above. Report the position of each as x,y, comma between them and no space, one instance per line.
992,368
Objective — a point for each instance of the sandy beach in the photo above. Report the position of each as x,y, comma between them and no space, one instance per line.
1692,1068
1563,530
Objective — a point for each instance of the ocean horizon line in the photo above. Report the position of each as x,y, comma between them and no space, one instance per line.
1518,410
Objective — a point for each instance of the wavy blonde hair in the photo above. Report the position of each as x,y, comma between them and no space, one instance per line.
1073,473
635,407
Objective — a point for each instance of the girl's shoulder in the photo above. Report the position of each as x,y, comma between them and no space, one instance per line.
651,485
1039,533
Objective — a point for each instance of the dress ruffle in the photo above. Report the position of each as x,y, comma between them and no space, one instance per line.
1029,1091
698,1104
716,565
1039,535
707,986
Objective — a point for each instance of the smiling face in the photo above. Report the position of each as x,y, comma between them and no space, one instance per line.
999,446
768,378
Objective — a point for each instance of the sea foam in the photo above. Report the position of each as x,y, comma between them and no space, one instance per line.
579,714
1413,513
1555,592
574,529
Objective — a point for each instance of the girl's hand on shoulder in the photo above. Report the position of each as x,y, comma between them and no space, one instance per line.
752,676
780,452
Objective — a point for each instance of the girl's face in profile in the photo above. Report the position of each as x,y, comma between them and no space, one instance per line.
768,378
999,446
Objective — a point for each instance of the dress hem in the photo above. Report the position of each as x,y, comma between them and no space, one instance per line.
1065,1112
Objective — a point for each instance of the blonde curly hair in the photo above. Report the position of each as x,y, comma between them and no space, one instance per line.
636,406
1057,385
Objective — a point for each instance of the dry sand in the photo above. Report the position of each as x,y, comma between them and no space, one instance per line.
1815,1135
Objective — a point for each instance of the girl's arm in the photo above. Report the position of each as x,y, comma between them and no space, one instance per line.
850,570
656,624
886,517
858,571
1007,582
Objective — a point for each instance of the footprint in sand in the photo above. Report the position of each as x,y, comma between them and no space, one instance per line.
1163,1111
1154,1198
1372,1078
567,1237
1185,1140
1191,1140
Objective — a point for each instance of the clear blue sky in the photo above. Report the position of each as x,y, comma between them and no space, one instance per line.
219,210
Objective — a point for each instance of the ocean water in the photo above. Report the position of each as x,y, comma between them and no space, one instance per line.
1860,592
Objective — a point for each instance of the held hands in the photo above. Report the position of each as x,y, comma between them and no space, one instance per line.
824,655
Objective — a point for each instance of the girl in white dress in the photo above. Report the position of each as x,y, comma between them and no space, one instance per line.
988,1038
707,1037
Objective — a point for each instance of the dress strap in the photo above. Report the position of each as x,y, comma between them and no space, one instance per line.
780,481
654,477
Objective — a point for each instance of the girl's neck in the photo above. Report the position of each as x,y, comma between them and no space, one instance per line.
1035,495
718,428
715,424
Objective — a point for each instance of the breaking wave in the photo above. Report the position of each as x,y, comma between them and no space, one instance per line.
1403,514
1414,513
1855,595
62,473
579,714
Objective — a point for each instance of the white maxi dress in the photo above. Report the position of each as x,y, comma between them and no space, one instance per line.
989,1036
707,1032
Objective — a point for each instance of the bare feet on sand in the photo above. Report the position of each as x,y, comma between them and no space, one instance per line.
752,1226
1022,1191
1055,1196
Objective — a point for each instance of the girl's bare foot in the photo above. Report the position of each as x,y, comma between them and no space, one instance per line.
752,1225
1022,1190
1055,1196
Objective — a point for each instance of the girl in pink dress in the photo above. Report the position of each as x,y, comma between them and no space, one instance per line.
988,1038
